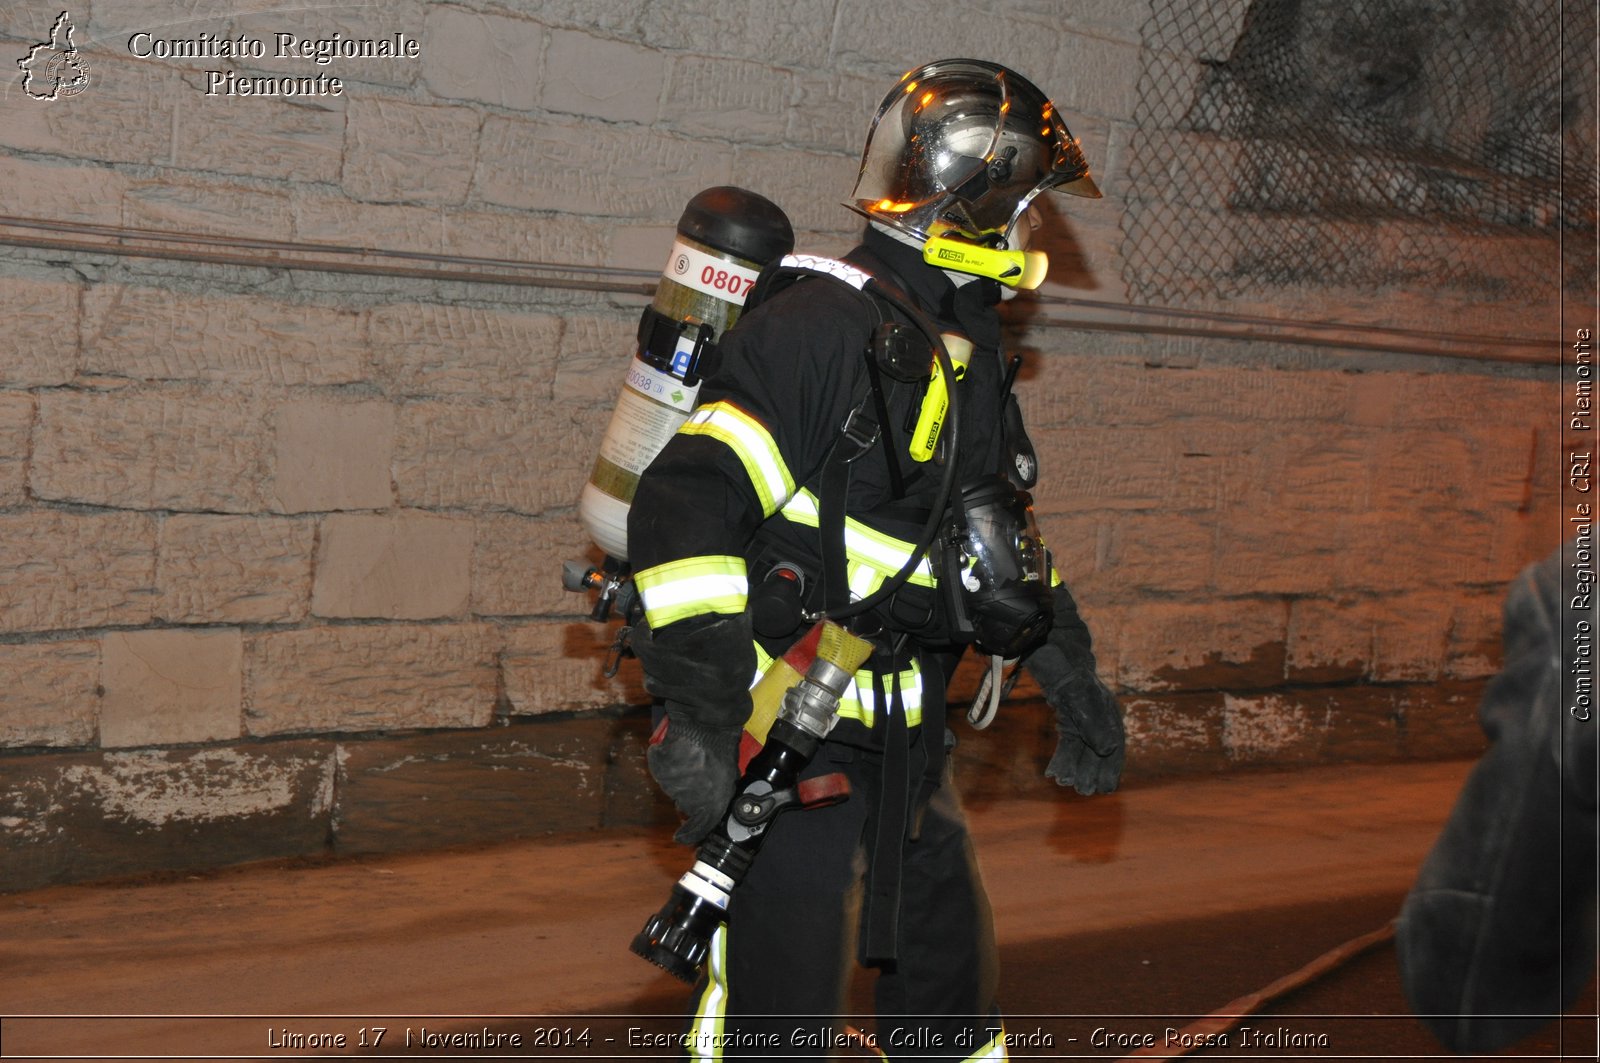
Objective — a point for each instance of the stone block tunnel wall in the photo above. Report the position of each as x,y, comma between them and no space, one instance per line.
281,529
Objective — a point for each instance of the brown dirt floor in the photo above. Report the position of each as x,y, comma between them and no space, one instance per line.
1132,913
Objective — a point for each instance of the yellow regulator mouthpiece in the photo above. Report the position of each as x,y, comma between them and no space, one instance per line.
936,401
1014,269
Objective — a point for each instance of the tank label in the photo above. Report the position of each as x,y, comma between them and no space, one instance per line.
664,388
710,275
649,410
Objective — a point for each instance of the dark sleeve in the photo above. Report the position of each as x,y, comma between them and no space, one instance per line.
1498,931
763,424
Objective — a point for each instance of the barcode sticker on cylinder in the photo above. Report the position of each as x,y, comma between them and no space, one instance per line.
709,274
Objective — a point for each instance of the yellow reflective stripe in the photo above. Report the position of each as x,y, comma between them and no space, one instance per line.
752,444
995,1049
693,586
802,508
862,579
763,662
852,706
883,552
705,1034
862,545
858,702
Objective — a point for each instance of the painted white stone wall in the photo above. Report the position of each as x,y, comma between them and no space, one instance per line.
240,501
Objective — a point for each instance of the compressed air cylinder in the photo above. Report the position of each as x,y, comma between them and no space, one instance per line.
725,237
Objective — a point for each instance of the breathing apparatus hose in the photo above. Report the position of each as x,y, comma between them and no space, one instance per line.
949,443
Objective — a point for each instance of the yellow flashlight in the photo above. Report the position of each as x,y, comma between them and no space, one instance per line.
936,401
1014,269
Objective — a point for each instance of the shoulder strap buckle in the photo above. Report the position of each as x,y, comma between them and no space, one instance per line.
861,429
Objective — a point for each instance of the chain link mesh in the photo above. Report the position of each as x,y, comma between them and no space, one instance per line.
1362,144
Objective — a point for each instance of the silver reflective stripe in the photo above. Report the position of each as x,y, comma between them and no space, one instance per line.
862,545
859,703
692,586
852,276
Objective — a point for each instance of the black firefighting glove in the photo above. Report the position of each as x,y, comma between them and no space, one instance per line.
1089,748
702,673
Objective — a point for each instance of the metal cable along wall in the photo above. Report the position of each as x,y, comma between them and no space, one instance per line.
1060,312
1362,144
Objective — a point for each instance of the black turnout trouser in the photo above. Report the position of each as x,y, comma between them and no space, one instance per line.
780,970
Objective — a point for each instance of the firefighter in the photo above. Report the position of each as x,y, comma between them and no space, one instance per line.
805,484
1497,935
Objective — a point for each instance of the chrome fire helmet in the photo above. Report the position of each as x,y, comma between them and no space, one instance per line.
962,146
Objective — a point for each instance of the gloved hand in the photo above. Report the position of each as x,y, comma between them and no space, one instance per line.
698,767
702,670
1089,749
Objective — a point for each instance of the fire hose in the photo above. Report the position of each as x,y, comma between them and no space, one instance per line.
794,707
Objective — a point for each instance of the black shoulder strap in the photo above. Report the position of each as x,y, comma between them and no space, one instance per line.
862,426
834,488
